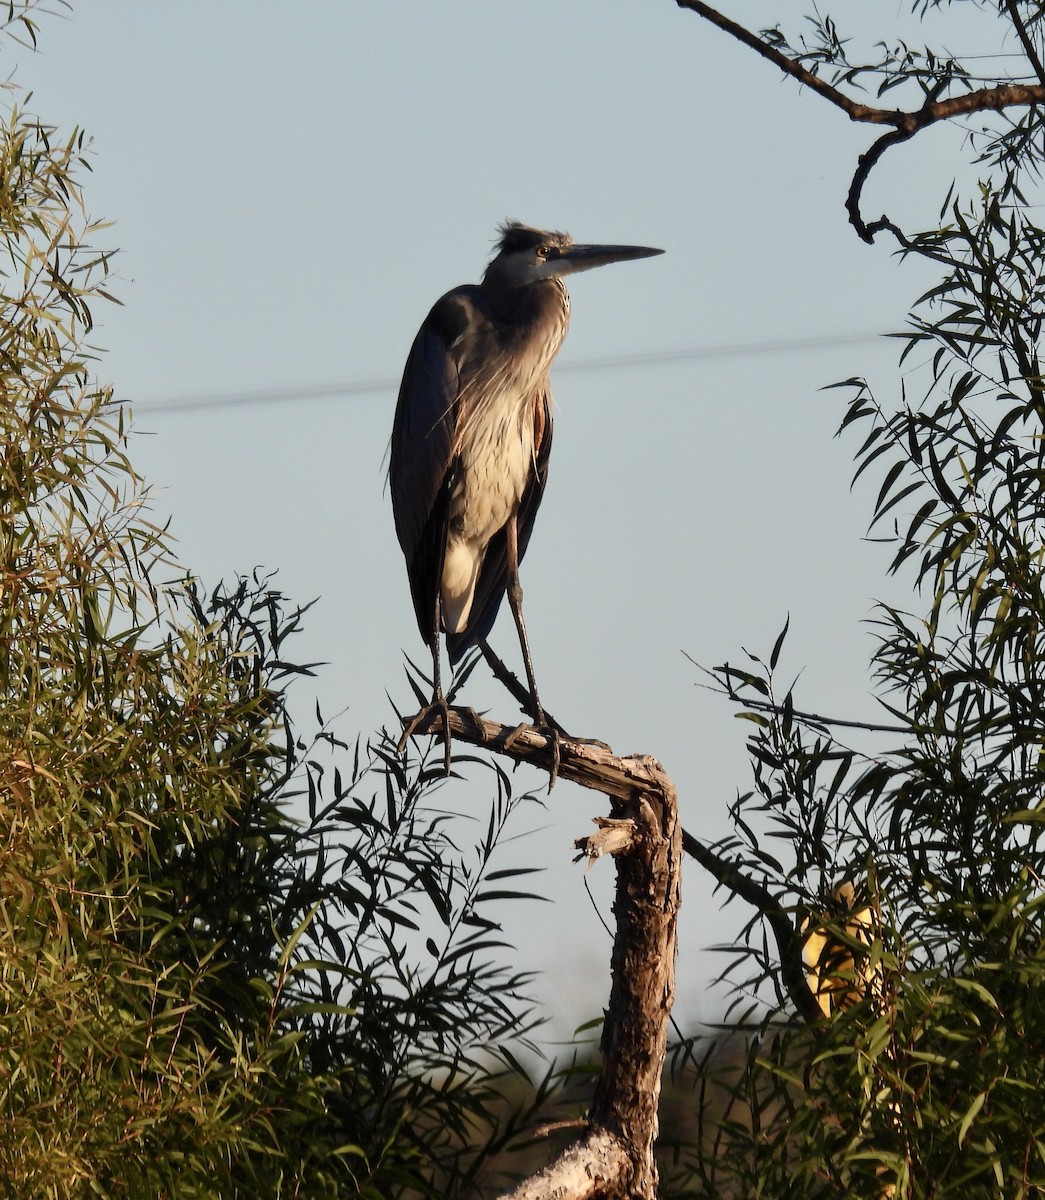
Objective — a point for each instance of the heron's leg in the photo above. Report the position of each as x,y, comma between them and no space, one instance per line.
515,601
518,689
514,590
437,682
438,699
438,702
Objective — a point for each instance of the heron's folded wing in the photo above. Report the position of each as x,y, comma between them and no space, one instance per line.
420,464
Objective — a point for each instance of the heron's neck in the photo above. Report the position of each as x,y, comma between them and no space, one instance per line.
541,323
544,305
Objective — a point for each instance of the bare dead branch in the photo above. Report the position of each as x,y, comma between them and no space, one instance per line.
582,1170
788,940
590,764
615,1158
613,837
642,967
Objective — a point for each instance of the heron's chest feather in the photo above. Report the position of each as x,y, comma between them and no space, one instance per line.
504,379
495,465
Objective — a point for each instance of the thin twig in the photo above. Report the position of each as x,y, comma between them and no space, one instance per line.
810,718
798,714
1025,38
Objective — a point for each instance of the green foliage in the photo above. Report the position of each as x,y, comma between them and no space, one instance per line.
233,961
931,1085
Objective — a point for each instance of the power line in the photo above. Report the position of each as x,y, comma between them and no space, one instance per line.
283,395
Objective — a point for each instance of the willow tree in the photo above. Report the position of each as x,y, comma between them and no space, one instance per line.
209,983
913,847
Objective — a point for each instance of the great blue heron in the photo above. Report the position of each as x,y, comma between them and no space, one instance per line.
472,435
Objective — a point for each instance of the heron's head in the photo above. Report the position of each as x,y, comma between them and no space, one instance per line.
527,256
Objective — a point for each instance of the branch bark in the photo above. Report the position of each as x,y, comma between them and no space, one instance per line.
580,1170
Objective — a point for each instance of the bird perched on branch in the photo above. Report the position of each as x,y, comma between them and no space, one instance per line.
471,440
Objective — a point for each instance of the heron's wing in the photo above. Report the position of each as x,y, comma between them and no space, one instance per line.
542,442
493,576
420,468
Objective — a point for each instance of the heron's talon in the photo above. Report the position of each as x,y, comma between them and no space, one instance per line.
424,717
554,739
551,734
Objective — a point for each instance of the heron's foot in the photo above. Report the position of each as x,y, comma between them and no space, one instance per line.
554,737
423,720
547,725
553,734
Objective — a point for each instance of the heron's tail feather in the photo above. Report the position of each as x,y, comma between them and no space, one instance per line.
461,565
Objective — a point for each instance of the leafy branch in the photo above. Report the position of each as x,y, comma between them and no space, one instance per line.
906,123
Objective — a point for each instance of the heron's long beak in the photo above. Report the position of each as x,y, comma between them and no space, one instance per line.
568,259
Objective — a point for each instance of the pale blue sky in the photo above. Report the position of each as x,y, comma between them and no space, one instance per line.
294,185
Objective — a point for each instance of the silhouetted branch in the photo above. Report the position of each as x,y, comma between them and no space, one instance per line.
515,687
905,123
864,165
786,935
1026,41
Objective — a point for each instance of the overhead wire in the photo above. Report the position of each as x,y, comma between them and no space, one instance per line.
218,400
